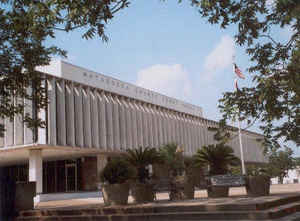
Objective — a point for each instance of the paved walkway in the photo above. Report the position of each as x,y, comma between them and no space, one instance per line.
237,195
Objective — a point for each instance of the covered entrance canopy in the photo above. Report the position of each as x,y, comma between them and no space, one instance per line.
21,154
54,168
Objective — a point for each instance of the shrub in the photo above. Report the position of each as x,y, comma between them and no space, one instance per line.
140,158
117,170
218,157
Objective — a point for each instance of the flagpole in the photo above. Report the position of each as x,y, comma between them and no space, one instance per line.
241,148
240,134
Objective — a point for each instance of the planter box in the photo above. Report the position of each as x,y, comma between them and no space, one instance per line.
218,191
25,193
142,193
258,185
115,194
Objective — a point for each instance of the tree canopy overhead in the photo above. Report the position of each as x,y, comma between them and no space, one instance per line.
25,25
275,98
281,161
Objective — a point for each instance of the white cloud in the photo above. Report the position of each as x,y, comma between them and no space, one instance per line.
220,57
270,3
287,31
171,80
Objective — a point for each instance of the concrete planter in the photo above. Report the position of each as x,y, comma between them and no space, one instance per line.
217,191
115,194
258,185
181,188
142,192
25,192
189,190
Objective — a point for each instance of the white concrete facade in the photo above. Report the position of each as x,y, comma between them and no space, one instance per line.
90,111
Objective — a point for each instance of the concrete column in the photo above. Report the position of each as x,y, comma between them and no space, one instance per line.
51,111
36,169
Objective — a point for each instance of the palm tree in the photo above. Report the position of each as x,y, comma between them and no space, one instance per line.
218,157
172,157
140,158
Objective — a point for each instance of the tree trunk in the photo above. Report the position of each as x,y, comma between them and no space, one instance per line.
280,180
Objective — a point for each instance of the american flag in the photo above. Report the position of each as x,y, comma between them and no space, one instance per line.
238,72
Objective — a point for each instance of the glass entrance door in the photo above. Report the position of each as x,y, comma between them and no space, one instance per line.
71,177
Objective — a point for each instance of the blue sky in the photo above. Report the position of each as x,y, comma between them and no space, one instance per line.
167,47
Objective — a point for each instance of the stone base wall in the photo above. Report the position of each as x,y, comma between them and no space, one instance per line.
89,174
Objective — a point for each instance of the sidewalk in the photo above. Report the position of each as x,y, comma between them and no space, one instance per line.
237,196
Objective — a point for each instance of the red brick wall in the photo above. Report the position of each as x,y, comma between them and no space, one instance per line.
89,176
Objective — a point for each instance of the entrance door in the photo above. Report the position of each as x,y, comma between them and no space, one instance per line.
71,177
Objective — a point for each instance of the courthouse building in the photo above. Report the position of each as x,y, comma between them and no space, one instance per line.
91,116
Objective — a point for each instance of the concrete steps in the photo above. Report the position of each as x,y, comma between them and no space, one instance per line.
261,211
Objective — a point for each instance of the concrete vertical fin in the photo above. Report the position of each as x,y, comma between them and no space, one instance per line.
144,125
28,110
116,123
129,128
94,119
78,116
51,123
87,130
154,126
134,124
61,112
102,121
9,129
122,113
70,116
18,125
139,124
109,122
